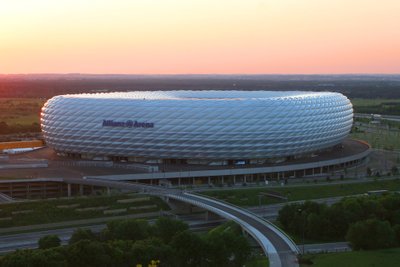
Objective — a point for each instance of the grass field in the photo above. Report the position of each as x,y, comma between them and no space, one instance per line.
364,102
381,138
58,210
250,197
23,111
375,258
376,106
385,135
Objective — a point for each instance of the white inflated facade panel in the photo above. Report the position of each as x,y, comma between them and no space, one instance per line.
197,124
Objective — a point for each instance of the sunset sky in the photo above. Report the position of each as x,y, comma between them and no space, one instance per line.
200,36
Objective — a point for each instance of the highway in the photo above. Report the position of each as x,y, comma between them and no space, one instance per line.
12,242
383,117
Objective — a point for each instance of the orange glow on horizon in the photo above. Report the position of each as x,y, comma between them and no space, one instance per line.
177,36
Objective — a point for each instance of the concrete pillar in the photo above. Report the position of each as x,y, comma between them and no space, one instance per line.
209,180
234,179
304,172
244,178
179,181
81,189
193,181
222,179
69,190
108,191
313,171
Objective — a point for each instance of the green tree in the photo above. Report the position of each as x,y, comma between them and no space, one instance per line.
88,253
34,258
316,227
371,234
128,229
49,241
289,217
396,230
81,234
121,253
295,218
144,251
166,228
189,249
227,246
337,222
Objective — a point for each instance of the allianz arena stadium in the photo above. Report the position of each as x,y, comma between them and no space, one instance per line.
196,126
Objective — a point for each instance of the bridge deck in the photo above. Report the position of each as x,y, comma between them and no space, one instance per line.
279,251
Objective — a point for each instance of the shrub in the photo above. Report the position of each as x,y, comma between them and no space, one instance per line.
49,241
81,234
371,234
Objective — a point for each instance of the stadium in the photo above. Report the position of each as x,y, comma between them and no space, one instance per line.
196,125
231,132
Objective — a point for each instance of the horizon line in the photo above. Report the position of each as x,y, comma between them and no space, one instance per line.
198,74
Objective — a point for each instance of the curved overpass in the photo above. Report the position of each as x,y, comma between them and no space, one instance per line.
281,250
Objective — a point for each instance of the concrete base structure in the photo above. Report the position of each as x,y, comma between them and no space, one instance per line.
354,153
333,164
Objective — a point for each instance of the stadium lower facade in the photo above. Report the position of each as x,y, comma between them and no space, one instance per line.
196,127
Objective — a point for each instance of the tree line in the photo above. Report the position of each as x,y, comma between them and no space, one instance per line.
367,222
353,86
130,242
18,128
